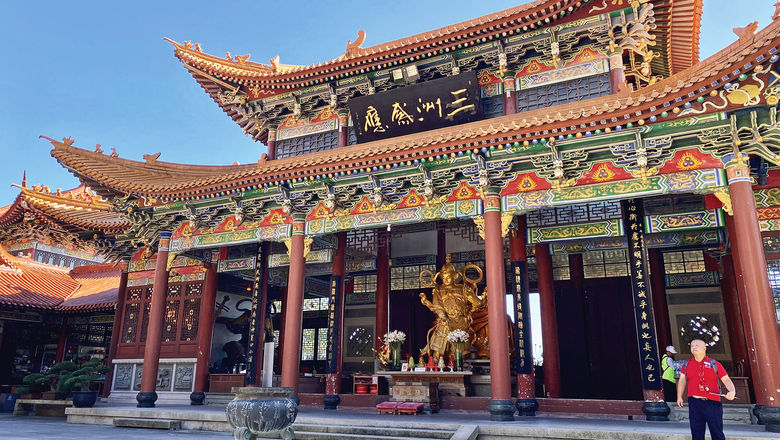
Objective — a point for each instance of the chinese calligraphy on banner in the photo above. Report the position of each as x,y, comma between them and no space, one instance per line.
334,323
415,108
640,285
523,352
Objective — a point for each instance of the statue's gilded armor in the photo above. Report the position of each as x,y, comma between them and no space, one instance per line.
457,307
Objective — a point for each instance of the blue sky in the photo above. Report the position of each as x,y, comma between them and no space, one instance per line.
99,71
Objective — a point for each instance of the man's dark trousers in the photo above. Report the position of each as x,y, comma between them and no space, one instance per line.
705,412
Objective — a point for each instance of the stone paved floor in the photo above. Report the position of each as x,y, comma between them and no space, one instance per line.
45,428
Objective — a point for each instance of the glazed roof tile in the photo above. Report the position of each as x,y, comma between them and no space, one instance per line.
160,179
76,209
98,290
679,28
25,283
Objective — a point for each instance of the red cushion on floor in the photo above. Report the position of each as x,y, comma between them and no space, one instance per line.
387,405
411,405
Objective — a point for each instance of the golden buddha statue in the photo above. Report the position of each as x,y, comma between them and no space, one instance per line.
453,303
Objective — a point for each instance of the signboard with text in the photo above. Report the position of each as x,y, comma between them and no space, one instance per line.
416,108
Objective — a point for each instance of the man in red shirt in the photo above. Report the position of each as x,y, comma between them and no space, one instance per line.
701,374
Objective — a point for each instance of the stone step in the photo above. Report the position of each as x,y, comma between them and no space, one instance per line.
170,425
218,398
732,413
314,435
368,432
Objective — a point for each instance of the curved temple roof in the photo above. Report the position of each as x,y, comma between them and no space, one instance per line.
175,181
676,35
679,22
74,210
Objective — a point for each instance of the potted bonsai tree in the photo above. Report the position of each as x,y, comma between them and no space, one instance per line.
48,385
78,382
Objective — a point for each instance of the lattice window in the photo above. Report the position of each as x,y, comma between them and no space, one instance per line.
148,293
364,283
174,290
194,289
322,344
362,240
560,266
684,261
170,321
145,321
773,269
493,107
130,324
307,144
351,136
533,275
307,344
465,230
134,294
563,215
561,93
605,264
408,277
189,325
314,304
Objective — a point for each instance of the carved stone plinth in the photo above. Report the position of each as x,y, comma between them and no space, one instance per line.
258,410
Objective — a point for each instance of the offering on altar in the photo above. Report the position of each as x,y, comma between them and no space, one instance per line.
441,363
430,366
411,363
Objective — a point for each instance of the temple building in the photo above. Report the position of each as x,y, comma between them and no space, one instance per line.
57,294
574,149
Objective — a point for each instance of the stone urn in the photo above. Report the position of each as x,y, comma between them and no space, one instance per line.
265,411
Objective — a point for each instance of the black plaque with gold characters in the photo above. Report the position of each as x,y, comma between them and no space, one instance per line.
334,323
640,285
411,109
256,328
524,363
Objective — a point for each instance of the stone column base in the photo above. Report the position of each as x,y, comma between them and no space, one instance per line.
526,407
656,411
146,400
769,416
331,401
501,410
197,398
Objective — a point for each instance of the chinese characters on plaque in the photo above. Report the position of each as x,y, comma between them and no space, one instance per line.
415,108
640,286
334,318
523,352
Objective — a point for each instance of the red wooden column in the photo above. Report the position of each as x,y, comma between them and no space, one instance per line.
382,285
343,128
62,341
617,75
501,406
728,288
147,396
744,314
552,363
758,294
271,142
660,306
205,332
116,329
526,403
510,96
293,319
331,399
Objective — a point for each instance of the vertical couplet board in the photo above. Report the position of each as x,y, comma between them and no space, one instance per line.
254,327
334,324
640,286
523,353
